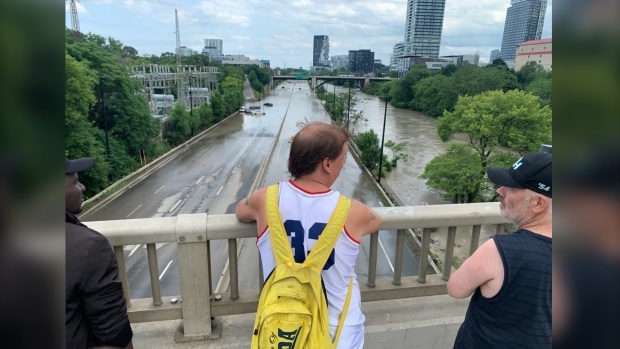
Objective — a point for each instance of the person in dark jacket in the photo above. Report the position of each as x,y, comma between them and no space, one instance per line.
95,308
510,275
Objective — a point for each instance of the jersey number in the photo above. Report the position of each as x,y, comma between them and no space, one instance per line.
296,231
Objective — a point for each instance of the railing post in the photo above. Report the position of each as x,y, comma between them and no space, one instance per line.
194,276
372,261
122,269
499,228
209,267
475,239
447,264
426,241
400,244
232,269
151,252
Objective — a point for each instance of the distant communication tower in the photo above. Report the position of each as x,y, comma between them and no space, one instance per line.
176,18
75,23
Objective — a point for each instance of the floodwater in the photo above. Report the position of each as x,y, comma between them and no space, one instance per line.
422,143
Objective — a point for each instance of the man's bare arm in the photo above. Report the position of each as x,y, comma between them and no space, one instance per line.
481,267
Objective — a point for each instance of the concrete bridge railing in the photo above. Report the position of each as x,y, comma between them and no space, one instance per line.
193,233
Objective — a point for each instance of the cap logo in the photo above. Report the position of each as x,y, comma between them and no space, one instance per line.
543,187
517,164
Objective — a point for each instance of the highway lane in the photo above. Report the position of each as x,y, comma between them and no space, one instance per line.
218,170
214,173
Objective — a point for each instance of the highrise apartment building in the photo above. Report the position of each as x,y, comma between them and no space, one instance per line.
213,49
320,53
340,61
524,22
361,61
423,26
495,54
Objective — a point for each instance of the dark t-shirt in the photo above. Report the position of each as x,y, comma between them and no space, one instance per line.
519,315
95,308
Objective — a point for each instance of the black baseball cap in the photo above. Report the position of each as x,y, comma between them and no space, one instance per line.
78,165
532,171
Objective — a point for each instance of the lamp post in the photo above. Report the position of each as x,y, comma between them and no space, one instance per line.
334,106
349,107
191,104
382,139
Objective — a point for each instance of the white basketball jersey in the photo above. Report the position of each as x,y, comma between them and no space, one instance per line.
304,216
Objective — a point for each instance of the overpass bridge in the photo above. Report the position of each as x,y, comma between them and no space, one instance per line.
317,81
402,312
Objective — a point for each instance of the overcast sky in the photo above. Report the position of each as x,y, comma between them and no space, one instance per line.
282,31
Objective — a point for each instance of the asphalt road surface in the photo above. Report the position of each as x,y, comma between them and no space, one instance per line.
219,169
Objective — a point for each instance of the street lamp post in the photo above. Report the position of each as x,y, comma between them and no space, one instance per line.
382,139
349,107
191,104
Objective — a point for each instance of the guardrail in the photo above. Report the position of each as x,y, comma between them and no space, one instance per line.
193,233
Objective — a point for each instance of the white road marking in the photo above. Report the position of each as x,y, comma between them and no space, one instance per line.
234,169
165,269
386,255
198,181
175,206
162,187
218,192
134,210
134,250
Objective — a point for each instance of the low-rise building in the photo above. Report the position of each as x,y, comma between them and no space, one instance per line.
538,51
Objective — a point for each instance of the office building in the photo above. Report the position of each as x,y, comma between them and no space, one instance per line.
213,49
320,53
524,22
495,54
340,61
186,51
538,51
361,61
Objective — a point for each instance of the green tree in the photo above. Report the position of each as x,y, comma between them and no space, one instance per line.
217,107
368,144
81,137
179,125
432,95
395,152
205,115
514,119
541,87
403,93
529,72
457,172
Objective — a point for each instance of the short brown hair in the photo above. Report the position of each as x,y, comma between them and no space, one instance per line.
313,143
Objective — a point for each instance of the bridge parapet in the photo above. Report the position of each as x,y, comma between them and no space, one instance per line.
193,232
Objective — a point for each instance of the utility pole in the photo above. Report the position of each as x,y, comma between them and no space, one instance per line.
382,139
349,108
191,104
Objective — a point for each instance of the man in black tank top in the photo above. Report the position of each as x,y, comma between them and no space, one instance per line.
510,275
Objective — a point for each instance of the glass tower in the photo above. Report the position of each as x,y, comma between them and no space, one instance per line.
524,22
320,54
424,23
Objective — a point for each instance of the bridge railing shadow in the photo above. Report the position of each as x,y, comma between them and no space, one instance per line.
197,305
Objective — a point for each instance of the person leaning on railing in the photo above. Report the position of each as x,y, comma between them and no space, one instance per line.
318,153
95,309
510,275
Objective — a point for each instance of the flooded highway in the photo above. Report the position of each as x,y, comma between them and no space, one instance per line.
221,167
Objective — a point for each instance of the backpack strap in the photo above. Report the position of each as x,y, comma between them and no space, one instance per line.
324,246
279,241
343,315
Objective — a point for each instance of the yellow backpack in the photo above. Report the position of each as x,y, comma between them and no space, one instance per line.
292,311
